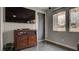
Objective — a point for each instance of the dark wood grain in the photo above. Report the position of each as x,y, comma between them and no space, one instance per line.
24,38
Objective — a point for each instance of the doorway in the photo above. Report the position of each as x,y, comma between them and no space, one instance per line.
41,27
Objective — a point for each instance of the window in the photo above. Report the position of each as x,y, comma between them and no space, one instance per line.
74,20
59,21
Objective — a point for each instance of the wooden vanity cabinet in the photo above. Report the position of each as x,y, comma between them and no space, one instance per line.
24,39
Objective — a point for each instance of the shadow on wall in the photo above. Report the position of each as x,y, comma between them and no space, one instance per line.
8,37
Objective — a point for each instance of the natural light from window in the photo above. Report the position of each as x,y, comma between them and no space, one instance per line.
74,20
59,21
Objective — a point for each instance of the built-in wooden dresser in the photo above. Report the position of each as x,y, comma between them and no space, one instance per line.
24,38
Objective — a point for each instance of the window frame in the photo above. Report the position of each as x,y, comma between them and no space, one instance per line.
58,11
70,21
58,15
67,22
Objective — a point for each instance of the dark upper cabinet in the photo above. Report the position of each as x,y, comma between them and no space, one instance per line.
19,14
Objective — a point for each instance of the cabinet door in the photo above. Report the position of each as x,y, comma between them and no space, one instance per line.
32,40
18,43
25,42
21,42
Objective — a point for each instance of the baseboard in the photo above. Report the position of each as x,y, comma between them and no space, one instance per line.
46,38
60,44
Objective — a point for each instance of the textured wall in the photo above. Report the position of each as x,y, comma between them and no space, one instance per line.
8,34
8,28
68,39
0,28
40,27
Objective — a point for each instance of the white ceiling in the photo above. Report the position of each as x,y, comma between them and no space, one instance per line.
39,8
43,8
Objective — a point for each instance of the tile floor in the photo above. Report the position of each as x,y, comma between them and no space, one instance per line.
44,46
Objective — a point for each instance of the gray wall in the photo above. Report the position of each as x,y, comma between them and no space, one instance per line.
40,27
8,27
0,28
67,39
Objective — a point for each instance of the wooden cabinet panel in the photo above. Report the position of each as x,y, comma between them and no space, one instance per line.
24,39
21,42
32,40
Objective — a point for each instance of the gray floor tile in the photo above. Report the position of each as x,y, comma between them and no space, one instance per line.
43,46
